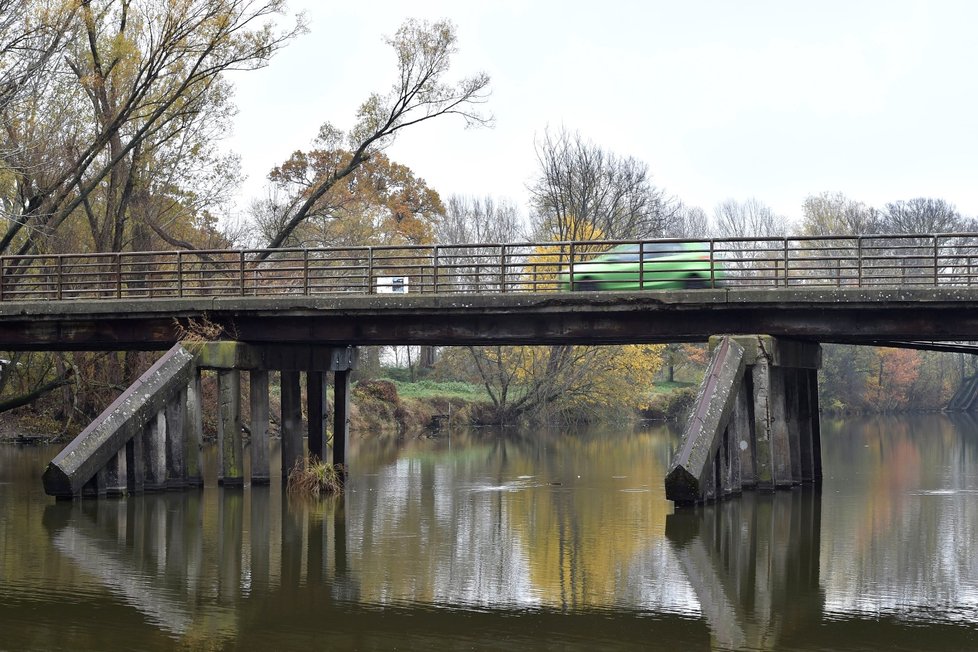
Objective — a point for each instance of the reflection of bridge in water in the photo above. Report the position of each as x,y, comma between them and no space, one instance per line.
422,550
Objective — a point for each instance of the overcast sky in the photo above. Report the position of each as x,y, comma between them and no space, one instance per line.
775,100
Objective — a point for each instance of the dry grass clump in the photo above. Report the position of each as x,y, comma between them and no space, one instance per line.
312,477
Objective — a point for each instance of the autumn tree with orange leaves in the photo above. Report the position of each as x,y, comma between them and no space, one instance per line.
895,372
380,203
424,52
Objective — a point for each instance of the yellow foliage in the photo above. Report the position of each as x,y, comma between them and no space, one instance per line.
583,377
547,261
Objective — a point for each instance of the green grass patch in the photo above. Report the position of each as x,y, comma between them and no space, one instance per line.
666,386
446,389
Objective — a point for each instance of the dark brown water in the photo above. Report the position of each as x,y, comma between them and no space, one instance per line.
526,541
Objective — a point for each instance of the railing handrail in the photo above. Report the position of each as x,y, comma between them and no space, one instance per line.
872,260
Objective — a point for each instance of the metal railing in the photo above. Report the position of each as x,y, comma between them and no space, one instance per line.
873,261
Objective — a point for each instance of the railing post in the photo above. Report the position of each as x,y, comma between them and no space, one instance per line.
434,271
713,264
57,277
370,270
641,265
305,271
118,275
573,251
502,268
859,261
786,262
179,273
935,260
2,261
241,272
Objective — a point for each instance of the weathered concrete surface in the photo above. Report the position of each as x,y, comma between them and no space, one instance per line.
291,421
194,432
176,445
817,314
258,396
692,476
154,451
341,416
782,436
230,448
316,413
118,424
293,357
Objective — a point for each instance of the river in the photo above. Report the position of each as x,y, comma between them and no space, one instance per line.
515,541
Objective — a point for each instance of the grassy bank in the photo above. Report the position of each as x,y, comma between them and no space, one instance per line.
670,401
383,405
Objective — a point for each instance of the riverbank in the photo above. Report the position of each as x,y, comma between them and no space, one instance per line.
377,407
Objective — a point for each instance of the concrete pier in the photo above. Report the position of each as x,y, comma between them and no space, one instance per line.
754,422
150,438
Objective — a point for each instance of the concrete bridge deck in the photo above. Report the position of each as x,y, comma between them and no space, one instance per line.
818,314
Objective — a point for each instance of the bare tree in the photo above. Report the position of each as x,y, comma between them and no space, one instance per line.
29,39
471,220
424,53
138,90
582,190
835,214
751,219
688,222
922,215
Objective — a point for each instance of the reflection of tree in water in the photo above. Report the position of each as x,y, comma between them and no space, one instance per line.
505,519
903,534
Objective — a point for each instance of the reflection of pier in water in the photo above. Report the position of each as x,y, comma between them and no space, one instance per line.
187,561
754,565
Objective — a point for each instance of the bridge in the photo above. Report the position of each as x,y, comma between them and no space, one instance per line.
859,289
305,310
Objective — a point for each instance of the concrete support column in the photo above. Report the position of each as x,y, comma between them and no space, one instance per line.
742,434
230,448
316,410
763,460
728,457
258,389
134,464
112,477
804,420
154,453
816,426
341,416
792,406
291,422
176,427
777,424
194,431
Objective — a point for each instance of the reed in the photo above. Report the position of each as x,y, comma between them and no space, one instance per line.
312,477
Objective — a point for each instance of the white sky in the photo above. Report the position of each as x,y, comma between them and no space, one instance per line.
723,99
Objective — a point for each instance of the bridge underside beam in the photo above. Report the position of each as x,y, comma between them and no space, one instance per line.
754,422
824,315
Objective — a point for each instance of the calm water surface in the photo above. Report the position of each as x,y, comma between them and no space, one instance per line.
531,540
